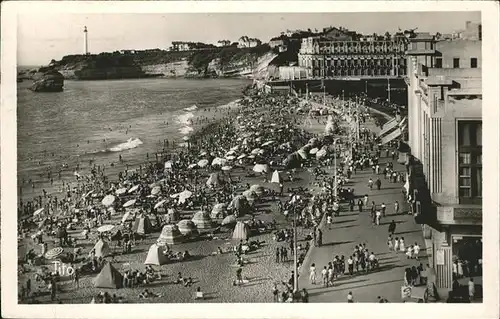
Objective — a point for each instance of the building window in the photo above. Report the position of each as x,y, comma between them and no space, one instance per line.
456,63
439,63
473,63
470,158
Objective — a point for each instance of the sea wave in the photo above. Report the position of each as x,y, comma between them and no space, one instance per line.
129,144
191,108
186,129
232,104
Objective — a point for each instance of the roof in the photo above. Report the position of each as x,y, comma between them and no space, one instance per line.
422,36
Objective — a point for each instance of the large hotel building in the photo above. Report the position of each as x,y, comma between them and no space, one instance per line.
445,157
340,54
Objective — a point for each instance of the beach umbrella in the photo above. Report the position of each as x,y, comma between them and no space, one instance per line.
108,200
267,143
192,165
261,168
168,164
184,195
202,220
87,194
255,151
133,189
170,234
54,253
38,211
313,151
156,190
203,153
241,231
321,153
230,157
203,163
219,161
250,195
160,203
240,205
259,190
229,220
251,156
121,191
226,168
293,161
242,156
187,227
129,203
231,152
219,210
105,228
127,216
235,148
186,138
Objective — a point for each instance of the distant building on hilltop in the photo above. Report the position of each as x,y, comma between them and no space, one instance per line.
246,42
188,46
223,43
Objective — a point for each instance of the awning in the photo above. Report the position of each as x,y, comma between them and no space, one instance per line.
392,136
388,127
403,122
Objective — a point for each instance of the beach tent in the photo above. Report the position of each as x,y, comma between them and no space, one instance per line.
173,216
261,168
170,234
109,277
142,225
187,227
202,220
293,161
219,210
155,256
276,178
259,190
219,161
241,231
101,248
240,205
214,180
302,153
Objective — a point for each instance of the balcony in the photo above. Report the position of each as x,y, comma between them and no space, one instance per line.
420,52
459,215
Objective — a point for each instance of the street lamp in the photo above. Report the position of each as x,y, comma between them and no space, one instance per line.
335,166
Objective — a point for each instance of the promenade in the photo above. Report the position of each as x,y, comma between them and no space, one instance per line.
353,228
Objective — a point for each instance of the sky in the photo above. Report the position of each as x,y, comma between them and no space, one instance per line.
42,37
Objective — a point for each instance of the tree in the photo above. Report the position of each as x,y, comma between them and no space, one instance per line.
387,35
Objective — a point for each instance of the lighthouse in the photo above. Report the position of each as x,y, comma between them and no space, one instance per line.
85,41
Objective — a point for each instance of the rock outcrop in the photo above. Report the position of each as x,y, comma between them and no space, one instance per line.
47,80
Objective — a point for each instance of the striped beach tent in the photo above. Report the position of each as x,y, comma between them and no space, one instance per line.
241,231
109,277
259,190
142,225
240,205
170,234
202,220
187,228
156,256
101,248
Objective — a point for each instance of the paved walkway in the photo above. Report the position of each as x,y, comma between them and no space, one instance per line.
353,228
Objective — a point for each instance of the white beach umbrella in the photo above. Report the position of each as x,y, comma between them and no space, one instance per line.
38,211
203,163
192,165
226,168
219,161
184,195
156,190
313,151
168,164
133,189
121,191
160,203
129,203
108,200
267,143
242,156
260,168
105,228
256,151
230,157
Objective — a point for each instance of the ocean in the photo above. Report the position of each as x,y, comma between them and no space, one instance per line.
100,120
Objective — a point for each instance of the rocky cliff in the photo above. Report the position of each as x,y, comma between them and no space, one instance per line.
47,80
218,62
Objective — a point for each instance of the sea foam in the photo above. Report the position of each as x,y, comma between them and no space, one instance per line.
129,144
191,108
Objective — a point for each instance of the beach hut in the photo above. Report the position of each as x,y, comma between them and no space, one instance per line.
219,210
101,249
173,216
142,225
276,178
156,256
240,205
214,180
170,234
257,189
202,220
187,228
241,231
109,277
293,161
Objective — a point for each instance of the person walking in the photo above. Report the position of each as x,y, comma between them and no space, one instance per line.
324,276
365,200
312,274
278,254
472,289
416,250
350,265
360,205
275,293
389,243
396,244
396,208
383,208
392,227
402,245
377,217
77,278
320,237
370,183
378,183
350,298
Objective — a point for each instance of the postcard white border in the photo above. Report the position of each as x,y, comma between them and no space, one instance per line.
488,309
